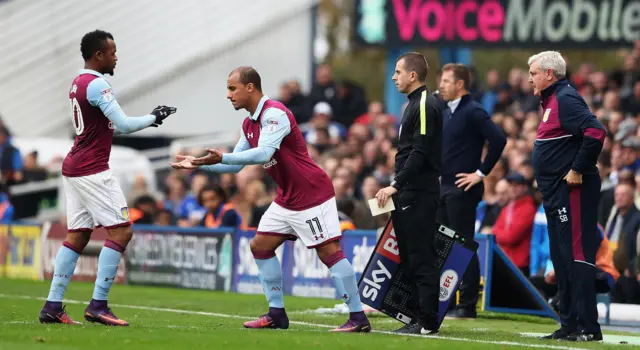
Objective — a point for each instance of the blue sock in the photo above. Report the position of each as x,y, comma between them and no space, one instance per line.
345,280
107,268
270,274
63,271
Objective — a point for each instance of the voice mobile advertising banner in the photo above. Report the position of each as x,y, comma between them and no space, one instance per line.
302,271
492,23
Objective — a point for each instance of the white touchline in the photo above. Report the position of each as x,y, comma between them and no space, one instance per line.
215,314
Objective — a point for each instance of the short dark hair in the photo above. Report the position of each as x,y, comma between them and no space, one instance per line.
144,199
93,42
249,75
212,188
460,72
415,62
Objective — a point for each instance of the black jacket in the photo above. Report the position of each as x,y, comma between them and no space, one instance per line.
419,144
465,132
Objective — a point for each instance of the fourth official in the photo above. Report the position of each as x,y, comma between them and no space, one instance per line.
416,189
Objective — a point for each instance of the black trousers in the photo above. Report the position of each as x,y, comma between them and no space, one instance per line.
572,214
457,210
414,222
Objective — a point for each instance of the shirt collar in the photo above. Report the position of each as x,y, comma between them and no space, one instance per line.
256,114
552,88
416,92
89,71
454,104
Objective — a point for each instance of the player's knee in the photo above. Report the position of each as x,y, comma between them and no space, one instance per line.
121,235
77,241
259,251
330,253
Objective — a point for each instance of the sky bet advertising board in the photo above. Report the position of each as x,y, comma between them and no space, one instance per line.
504,23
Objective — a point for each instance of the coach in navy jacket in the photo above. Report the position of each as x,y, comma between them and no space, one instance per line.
565,153
466,128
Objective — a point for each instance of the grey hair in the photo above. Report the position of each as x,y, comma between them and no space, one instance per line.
550,60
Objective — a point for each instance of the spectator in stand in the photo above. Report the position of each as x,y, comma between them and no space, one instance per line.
11,165
375,111
599,83
606,189
325,89
257,197
191,211
32,171
488,211
219,212
164,217
540,252
625,78
322,119
581,78
139,188
295,101
528,102
370,186
516,78
624,215
352,102
6,208
144,210
631,104
622,230
176,192
490,96
515,223
345,211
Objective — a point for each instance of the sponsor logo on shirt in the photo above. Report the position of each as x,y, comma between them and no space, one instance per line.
545,117
271,163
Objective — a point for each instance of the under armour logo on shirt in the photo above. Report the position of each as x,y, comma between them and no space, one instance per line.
250,135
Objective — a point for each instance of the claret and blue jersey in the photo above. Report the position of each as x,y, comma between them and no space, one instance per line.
569,136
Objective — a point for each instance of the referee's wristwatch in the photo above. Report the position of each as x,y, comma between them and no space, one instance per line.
393,184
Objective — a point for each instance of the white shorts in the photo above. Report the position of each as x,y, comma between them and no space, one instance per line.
314,226
95,200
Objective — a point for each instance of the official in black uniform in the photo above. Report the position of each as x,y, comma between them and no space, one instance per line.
416,189
467,127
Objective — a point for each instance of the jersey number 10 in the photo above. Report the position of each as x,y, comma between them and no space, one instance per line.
76,116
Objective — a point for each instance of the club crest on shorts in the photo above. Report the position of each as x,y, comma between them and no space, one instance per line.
125,213
545,117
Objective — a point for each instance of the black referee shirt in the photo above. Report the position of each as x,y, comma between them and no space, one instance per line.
419,144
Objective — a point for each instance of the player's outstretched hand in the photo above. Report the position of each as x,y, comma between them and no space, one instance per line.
183,162
161,113
213,157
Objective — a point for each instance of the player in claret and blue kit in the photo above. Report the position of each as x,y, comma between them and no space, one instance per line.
305,205
93,196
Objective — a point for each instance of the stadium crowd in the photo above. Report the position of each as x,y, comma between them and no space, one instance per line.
354,141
